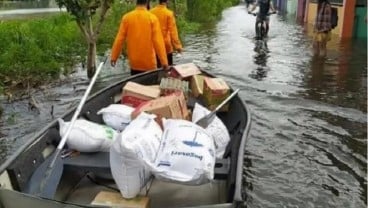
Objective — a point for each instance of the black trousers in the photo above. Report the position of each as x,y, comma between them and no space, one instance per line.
134,72
169,60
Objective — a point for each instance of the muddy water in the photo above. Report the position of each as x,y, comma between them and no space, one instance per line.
307,146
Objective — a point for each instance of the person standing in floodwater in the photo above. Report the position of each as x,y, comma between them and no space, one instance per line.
322,28
141,30
169,30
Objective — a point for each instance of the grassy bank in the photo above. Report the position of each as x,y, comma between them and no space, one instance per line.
35,51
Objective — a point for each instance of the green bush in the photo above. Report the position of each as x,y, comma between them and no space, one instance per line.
206,10
35,50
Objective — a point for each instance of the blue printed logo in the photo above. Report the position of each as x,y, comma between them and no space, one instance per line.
187,154
164,163
193,143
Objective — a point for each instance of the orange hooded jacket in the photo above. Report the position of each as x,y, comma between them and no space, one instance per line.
168,27
141,30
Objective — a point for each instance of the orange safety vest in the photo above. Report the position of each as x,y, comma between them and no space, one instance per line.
141,31
168,27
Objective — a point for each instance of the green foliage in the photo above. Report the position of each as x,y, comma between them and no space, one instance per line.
89,24
33,50
82,10
206,10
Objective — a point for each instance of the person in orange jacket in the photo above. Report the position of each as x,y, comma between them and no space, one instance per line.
141,31
168,28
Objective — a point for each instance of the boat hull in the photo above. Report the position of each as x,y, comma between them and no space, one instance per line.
16,172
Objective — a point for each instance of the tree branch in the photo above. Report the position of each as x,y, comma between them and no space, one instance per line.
104,9
83,29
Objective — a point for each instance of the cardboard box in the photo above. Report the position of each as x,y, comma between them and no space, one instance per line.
184,71
135,94
172,106
114,199
171,85
196,85
154,86
215,91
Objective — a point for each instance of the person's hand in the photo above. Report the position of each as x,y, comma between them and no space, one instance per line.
165,67
113,63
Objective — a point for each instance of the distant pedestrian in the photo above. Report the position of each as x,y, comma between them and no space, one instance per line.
322,28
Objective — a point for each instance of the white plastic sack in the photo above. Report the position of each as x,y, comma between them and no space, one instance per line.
86,136
186,154
116,115
216,129
139,141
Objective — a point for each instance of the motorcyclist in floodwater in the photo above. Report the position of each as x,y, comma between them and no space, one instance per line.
264,8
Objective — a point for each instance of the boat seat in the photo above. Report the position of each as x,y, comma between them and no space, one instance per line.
99,164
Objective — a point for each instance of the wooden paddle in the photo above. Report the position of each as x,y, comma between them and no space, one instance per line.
51,170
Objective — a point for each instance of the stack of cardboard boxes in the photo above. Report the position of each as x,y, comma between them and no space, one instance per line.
169,99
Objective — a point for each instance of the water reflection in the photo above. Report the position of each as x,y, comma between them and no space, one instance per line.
341,79
260,59
27,9
8,5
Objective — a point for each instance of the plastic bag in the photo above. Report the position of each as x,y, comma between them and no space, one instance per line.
186,154
216,129
86,136
118,116
139,141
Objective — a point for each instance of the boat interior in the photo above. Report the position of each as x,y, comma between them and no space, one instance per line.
87,174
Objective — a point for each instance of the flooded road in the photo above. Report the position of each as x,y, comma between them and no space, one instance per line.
308,142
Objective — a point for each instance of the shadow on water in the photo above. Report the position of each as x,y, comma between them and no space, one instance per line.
308,142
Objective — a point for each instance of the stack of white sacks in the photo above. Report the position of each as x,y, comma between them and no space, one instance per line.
182,152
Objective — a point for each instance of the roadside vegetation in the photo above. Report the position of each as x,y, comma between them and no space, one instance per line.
35,51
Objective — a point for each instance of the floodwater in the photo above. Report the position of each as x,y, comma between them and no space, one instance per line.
308,142
14,4
22,9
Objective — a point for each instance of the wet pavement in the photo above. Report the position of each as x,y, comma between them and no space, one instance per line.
308,142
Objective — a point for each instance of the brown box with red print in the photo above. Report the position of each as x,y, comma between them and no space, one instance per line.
135,94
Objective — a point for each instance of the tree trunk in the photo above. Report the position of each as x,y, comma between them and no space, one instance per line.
91,60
